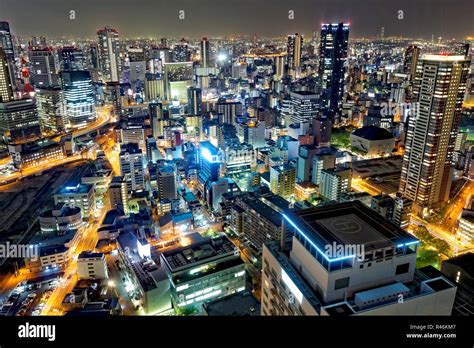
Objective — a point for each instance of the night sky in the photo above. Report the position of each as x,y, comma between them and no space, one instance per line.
159,18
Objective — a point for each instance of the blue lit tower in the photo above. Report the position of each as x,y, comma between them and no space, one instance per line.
79,97
332,65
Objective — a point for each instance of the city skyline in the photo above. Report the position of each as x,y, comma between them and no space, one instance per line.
162,19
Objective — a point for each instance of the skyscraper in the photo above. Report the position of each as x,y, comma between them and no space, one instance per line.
109,56
166,181
44,67
6,43
19,120
294,45
440,84
181,52
71,58
50,104
410,60
131,166
205,53
79,97
194,101
332,65
6,88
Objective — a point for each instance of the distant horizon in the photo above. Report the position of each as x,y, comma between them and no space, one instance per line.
146,18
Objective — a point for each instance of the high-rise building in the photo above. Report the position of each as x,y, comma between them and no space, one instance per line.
322,160
109,54
410,60
294,46
131,166
79,97
332,65
50,103
71,58
228,110
345,259
205,53
44,67
166,181
283,179
6,43
6,86
194,101
19,120
303,106
181,52
440,84
154,87
335,182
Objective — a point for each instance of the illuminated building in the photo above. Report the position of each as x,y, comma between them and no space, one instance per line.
181,52
206,269
345,259
303,106
410,60
210,162
283,179
440,84
50,104
293,47
6,44
332,65
194,101
44,67
178,77
305,190
71,58
131,166
132,132
79,98
372,140
304,170
79,195
465,231
91,265
60,218
109,55
36,153
335,182
238,159
205,53
6,86
154,87
228,110
118,194
145,279
19,120
166,182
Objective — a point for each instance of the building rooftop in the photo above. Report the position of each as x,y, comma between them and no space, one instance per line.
239,304
348,223
465,262
373,133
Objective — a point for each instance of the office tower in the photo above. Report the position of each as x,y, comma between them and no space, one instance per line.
303,106
109,54
77,195
132,132
402,210
166,181
113,96
19,120
322,160
210,164
332,65
50,104
305,162
255,135
410,60
194,101
6,86
283,179
79,97
205,53
178,77
71,58
228,111
440,84
375,264
279,66
293,48
204,270
94,56
154,87
181,52
377,117
131,166
335,182
155,110
44,67
6,43
118,194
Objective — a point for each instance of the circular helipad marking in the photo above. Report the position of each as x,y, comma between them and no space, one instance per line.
345,225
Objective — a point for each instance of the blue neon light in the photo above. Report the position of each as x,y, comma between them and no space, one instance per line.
408,243
314,245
